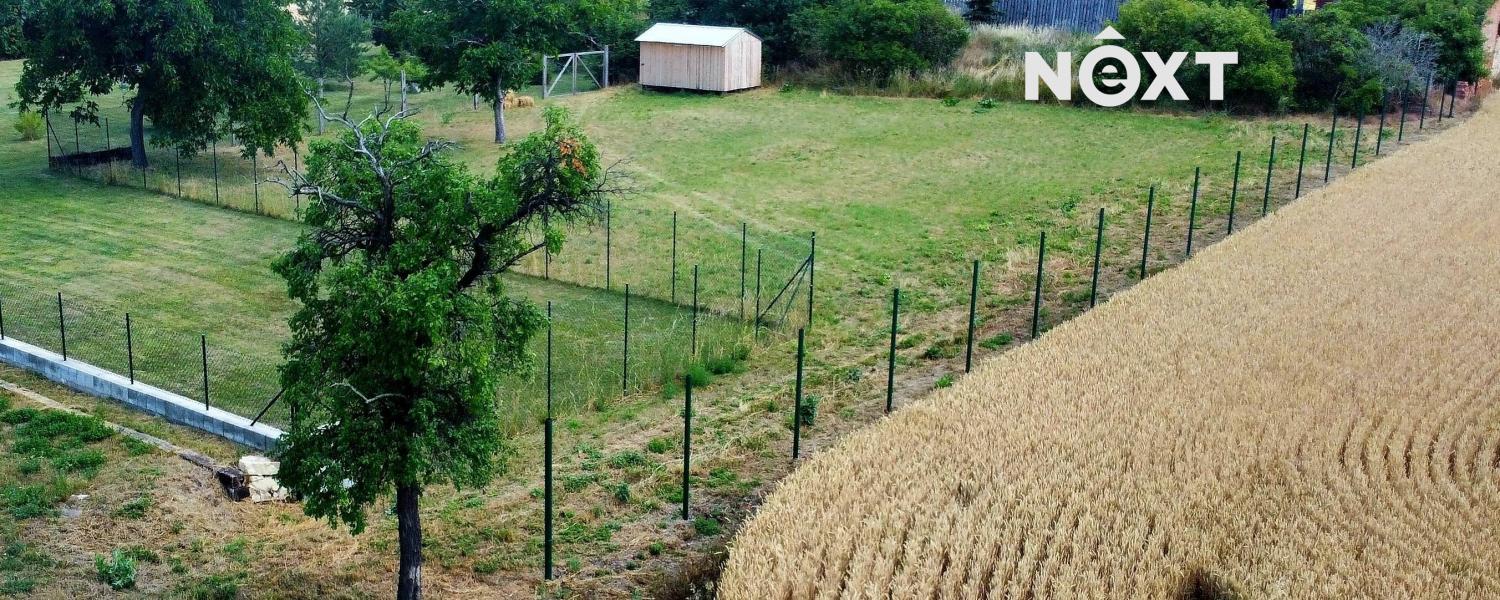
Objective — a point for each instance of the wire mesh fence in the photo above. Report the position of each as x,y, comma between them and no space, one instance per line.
145,349
664,342
655,249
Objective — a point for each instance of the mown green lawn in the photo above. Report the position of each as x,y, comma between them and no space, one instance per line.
185,269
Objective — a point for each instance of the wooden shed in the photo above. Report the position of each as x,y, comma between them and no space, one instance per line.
699,57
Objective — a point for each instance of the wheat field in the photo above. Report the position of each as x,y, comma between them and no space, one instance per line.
1309,409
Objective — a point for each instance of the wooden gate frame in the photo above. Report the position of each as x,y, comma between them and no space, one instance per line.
572,59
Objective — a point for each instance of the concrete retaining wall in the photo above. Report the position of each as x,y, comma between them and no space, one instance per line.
93,380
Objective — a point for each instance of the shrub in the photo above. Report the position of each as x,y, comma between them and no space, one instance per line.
706,526
621,492
723,365
117,571
877,38
1263,77
1326,51
1454,25
30,125
698,375
810,409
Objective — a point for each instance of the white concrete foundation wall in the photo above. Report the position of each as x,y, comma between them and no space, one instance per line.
95,381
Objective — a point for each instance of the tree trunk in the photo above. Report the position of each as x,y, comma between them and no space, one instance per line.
403,89
138,132
321,97
409,530
499,111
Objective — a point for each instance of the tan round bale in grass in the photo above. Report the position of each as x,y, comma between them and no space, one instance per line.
1310,409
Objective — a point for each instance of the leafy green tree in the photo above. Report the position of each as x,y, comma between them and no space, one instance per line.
404,326
1325,56
402,71
1456,26
198,70
13,15
981,11
335,43
876,38
1262,78
379,12
771,20
485,47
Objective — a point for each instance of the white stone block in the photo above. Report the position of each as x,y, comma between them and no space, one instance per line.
259,466
266,489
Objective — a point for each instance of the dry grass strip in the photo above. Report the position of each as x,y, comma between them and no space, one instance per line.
1310,409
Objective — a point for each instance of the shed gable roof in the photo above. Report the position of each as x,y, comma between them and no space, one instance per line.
691,35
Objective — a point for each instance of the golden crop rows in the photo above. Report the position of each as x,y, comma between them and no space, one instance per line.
1309,409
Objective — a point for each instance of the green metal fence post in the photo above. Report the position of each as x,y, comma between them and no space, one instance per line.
687,445
1301,160
1265,201
1098,254
547,491
203,342
608,243
1380,132
547,499
62,328
1426,93
625,362
1401,129
255,179
1146,239
129,349
758,257
1193,212
1328,162
890,367
1234,191
797,398
1359,130
215,150
973,309
1452,96
1036,303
